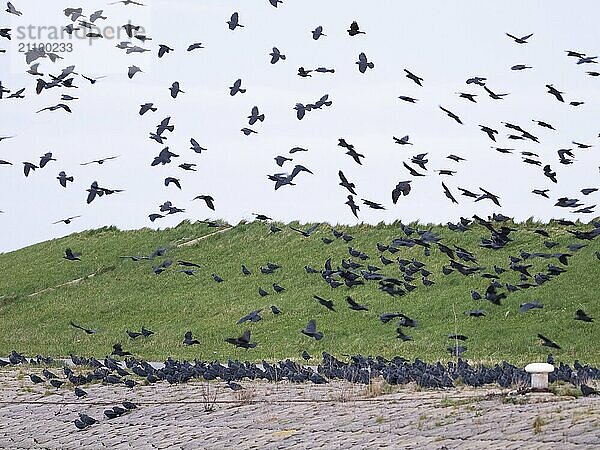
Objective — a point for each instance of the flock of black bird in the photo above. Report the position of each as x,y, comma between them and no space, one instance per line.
348,272
139,42
520,274
398,371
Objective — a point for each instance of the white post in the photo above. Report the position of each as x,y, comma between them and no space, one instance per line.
539,375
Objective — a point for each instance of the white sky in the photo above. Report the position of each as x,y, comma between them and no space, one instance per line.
445,42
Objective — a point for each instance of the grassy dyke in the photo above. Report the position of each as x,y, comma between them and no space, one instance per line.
124,294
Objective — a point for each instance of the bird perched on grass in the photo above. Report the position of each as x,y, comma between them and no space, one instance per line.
71,256
587,390
187,339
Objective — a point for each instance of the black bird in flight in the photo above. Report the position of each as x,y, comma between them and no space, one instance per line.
326,303
408,99
493,94
520,67
196,147
28,168
402,188
519,40
163,49
276,55
353,206
195,46
255,116
170,180
306,233
12,10
412,171
488,195
66,221
86,330
448,194
470,97
413,77
355,306
253,316
363,64
56,107
548,343
543,124
455,158
489,131
280,160
552,90
451,115
118,350
581,315
345,183
402,140
63,178
147,107
351,151
317,33
132,70
311,330
99,161
243,341
372,205
354,29
207,199
234,21
237,87
175,90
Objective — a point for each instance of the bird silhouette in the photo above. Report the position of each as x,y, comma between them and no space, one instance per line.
311,330
354,29
187,339
233,22
243,341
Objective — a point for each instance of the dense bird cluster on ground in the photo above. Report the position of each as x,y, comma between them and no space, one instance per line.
398,371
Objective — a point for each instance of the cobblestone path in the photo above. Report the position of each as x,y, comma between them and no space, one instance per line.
277,416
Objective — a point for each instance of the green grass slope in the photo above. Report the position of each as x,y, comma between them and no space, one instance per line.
124,294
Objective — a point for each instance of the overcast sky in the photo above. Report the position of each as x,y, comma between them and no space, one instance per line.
445,42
